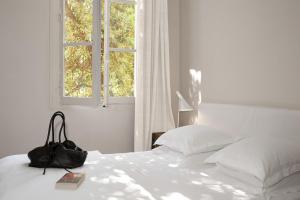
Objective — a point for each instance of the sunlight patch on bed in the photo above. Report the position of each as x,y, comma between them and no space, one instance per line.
101,181
119,158
216,188
204,174
112,198
150,161
174,195
91,162
173,165
196,182
229,187
239,192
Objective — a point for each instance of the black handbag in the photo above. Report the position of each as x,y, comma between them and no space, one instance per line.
59,154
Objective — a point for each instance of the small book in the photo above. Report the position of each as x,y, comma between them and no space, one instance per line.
70,181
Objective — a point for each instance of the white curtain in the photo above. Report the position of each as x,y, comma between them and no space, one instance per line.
153,110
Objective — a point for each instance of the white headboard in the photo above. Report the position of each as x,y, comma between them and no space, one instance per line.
249,120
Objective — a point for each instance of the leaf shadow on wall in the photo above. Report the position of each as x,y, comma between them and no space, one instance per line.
194,95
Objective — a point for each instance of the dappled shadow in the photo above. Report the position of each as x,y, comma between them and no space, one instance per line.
158,174
194,96
153,175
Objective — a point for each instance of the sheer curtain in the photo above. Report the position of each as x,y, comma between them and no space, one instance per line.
153,110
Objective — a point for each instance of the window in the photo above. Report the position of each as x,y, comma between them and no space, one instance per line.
98,51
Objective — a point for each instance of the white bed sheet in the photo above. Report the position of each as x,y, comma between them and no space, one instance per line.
158,174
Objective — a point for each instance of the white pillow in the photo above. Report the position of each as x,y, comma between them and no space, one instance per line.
194,139
245,178
269,159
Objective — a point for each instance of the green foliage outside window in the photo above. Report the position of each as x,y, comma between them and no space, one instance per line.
78,59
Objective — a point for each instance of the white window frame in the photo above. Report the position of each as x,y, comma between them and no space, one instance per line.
108,49
57,45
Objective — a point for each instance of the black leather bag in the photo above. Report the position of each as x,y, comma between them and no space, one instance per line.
57,154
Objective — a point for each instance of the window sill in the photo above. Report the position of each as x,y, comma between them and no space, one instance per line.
70,101
120,100
115,104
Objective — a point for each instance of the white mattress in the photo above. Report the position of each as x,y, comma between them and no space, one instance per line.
158,174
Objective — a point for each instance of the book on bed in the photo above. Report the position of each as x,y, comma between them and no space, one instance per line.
70,181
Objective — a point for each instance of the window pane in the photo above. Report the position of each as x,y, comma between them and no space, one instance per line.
78,20
121,74
122,25
78,71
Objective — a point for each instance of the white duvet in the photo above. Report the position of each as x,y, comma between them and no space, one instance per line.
158,174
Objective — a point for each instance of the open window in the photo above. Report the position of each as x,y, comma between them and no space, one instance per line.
96,50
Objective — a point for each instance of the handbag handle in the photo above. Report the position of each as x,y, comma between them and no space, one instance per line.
62,127
51,127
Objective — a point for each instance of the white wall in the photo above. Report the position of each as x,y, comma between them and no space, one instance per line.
248,51
25,89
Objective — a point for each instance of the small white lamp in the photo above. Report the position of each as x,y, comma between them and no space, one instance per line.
183,106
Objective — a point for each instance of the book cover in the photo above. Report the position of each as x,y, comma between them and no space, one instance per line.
70,181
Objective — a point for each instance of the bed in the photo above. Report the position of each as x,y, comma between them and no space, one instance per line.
158,174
